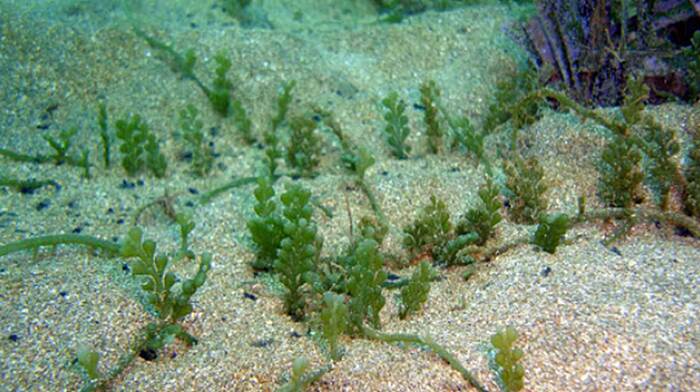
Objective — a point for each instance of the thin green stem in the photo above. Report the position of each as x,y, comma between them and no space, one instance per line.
647,214
429,343
208,196
27,186
124,360
580,110
59,239
372,201
20,157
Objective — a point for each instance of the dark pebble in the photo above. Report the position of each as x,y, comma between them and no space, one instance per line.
682,231
185,156
43,126
51,108
250,296
77,230
13,337
63,293
125,267
418,106
44,204
262,343
615,250
454,169
120,221
546,271
72,204
385,173
294,334
110,210
27,190
148,354
127,185
392,276
193,191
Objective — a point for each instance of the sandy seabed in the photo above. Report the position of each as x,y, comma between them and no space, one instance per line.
589,318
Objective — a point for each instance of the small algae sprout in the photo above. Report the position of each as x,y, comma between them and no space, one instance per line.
396,129
365,285
415,293
510,372
186,224
662,147
525,183
88,360
202,154
299,250
272,136
431,228
132,134
157,282
692,173
266,227
139,147
243,123
429,94
304,147
105,137
334,320
432,234
301,378
219,93
551,231
61,145
621,175
483,220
